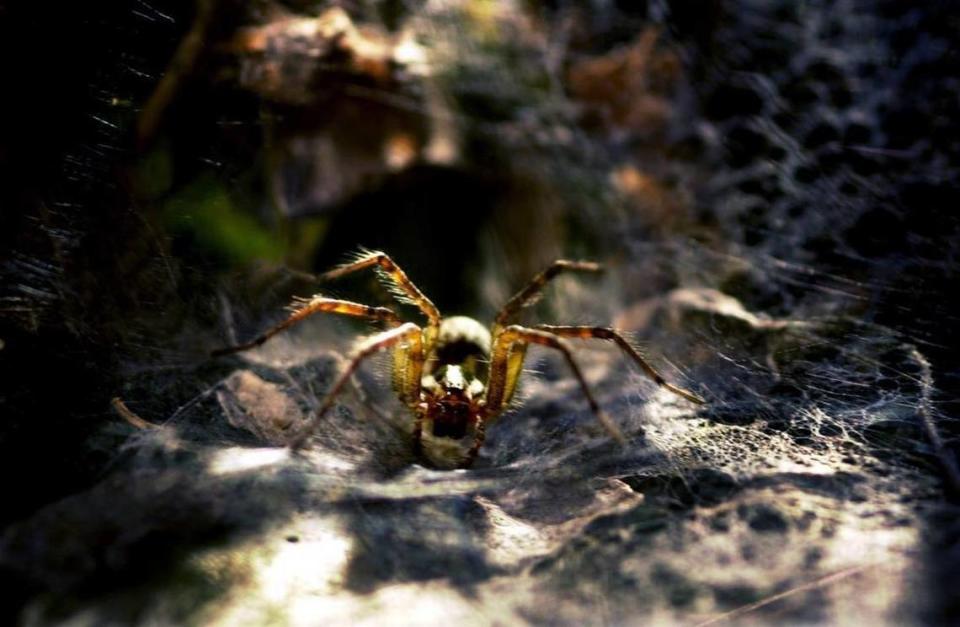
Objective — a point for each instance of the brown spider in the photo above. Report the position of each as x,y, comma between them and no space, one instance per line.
453,373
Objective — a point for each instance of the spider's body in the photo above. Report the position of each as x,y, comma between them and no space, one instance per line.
452,388
453,374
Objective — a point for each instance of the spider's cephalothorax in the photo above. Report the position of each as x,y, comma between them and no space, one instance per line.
454,374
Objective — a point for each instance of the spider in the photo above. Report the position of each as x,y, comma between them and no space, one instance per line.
453,374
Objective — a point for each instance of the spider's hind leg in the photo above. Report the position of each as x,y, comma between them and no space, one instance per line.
529,295
506,361
606,333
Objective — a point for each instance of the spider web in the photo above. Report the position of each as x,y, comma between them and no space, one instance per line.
809,489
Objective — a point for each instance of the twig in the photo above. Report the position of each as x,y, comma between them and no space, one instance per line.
226,313
926,416
181,67
124,412
817,583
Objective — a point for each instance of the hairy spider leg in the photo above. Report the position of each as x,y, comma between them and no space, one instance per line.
506,362
479,435
406,292
407,373
304,308
606,333
529,295
408,332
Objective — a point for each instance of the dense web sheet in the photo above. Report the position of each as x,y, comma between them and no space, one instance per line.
800,478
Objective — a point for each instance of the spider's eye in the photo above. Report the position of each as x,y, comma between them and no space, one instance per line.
451,378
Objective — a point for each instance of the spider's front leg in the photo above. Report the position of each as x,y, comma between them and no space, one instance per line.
506,363
407,336
305,308
407,371
398,280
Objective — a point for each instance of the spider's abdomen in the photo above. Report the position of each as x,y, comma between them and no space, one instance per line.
463,342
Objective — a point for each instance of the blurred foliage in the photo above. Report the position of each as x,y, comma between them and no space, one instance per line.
203,218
